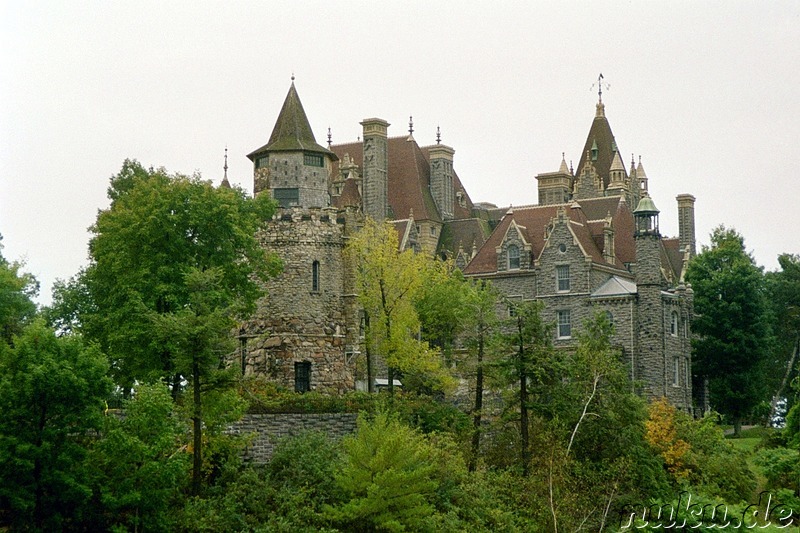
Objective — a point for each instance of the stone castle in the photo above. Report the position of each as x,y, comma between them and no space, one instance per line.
592,243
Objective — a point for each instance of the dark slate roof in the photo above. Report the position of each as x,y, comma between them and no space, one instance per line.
463,233
292,131
672,257
585,222
350,196
600,133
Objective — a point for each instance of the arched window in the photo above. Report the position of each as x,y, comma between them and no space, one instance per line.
513,257
674,327
315,276
610,317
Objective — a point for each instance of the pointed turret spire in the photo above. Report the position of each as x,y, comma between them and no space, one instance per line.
640,174
563,168
225,183
292,131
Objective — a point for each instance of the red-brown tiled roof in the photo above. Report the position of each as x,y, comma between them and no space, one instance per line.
588,231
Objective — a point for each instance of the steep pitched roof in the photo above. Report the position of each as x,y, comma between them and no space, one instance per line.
585,222
466,233
350,196
601,137
292,131
409,177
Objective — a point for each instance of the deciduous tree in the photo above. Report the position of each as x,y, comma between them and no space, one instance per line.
158,228
52,392
389,283
731,327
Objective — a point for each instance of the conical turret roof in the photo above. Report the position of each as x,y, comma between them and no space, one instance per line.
292,131
600,145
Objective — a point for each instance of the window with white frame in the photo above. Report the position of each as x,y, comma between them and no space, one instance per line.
513,257
676,373
673,330
564,324
562,278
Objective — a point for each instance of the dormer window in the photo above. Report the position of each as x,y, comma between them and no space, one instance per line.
513,257
595,151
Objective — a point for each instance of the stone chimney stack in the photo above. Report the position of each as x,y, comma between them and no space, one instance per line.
375,170
441,158
686,223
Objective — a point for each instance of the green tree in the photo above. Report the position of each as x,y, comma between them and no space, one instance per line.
389,283
199,336
731,326
480,329
17,290
52,393
387,478
141,463
442,306
530,350
158,228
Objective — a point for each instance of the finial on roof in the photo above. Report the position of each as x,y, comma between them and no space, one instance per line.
438,135
601,108
411,125
329,137
225,183
570,167
510,209
600,88
563,168
292,76
411,213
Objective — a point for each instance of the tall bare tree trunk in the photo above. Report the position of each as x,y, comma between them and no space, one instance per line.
197,452
477,411
773,406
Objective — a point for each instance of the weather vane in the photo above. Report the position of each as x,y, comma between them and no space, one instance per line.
600,83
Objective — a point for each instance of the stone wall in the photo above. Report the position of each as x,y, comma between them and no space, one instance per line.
269,429
299,320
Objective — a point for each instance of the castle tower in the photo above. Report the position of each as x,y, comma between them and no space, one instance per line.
598,151
555,187
686,223
651,367
375,175
292,166
441,160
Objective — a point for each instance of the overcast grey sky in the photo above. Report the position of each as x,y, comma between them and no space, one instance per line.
705,92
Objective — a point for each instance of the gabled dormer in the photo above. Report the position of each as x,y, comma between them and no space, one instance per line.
514,252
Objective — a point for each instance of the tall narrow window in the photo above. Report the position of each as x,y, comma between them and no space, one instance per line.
513,257
564,324
674,326
302,376
676,373
562,278
315,276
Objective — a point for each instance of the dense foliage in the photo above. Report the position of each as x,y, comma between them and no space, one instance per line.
548,439
731,326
